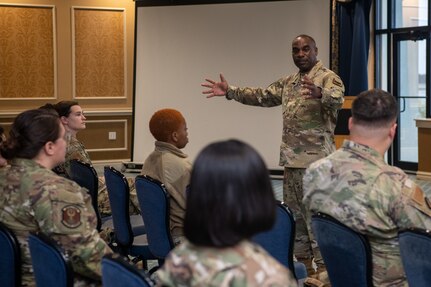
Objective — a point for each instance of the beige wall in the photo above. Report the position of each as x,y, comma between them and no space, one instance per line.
104,114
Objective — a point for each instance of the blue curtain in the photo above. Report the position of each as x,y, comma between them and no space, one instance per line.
354,40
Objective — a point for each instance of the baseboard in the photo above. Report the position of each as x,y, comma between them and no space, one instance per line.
423,175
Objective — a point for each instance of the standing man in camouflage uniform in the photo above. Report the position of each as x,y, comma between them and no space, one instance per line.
310,99
35,199
357,187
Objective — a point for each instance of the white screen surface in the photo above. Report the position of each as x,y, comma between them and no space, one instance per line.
250,43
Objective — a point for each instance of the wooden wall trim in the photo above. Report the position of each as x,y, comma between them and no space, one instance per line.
110,112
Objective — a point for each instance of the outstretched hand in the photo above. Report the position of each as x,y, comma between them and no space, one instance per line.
216,89
309,89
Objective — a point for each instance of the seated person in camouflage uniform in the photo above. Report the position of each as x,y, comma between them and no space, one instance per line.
168,164
35,199
357,187
73,119
3,161
230,200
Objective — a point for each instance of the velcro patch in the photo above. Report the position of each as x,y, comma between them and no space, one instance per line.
337,83
421,201
71,216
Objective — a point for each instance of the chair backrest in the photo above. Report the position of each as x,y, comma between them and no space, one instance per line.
85,175
117,272
50,264
119,193
154,202
415,248
346,253
10,259
278,241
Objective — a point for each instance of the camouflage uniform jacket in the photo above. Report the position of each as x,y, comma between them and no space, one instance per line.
75,150
245,264
171,166
308,124
34,199
357,187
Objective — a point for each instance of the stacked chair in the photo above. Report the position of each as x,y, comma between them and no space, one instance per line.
118,272
346,253
130,232
10,259
50,264
415,248
155,210
279,240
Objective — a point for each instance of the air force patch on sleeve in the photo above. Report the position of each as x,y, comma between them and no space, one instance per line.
71,216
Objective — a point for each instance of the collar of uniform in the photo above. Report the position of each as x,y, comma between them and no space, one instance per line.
164,146
363,149
297,77
24,162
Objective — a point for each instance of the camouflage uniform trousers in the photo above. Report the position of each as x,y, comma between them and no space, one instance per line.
305,246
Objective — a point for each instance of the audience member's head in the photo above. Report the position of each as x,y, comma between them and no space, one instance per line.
169,125
230,197
49,107
71,115
374,109
36,134
3,161
373,121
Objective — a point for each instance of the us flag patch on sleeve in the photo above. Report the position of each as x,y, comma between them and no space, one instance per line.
71,216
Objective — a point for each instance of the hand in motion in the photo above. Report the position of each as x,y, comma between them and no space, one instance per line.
216,89
309,89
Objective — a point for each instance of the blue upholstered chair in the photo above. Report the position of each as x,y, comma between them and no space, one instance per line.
131,240
50,264
10,258
154,202
117,272
346,253
415,247
85,175
279,240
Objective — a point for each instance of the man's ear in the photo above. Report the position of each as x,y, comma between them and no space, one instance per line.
317,51
49,148
63,120
393,131
350,124
174,136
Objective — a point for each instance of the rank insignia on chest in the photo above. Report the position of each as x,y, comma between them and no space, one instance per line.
71,216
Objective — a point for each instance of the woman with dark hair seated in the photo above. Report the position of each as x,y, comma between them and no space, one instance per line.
230,200
35,199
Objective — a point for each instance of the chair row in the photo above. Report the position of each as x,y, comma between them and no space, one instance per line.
53,268
156,243
348,257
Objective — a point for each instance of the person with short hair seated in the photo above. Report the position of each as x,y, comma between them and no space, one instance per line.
169,165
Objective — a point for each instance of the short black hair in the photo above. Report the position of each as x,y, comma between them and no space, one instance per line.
374,108
311,39
63,107
230,197
30,131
